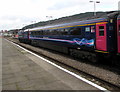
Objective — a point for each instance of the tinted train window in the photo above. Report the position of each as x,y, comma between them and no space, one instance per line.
75,31
32,34
35,33
55,32
45,32
101,30
87,29
41,32
64,32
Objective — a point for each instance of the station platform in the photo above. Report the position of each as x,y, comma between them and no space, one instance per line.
24,71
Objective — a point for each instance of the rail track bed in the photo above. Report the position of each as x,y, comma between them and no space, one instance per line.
100,73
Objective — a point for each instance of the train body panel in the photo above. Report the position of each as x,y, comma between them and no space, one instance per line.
80,35
23,36
118,33
88,36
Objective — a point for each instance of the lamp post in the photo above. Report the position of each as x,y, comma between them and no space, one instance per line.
94,6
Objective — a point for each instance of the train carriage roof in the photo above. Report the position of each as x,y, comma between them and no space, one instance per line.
71,24
93,20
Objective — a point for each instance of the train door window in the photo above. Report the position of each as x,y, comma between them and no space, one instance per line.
87,29
76,31
101,30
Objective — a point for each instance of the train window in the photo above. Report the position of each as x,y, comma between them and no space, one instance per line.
47,32
101,30
44,32
64,31
87,29
38,33
76,31
50,32
92,29
41,32
33,34
55,32
58,32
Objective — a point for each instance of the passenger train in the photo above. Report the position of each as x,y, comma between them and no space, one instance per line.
92,39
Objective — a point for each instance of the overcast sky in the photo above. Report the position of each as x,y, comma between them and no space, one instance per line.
18,13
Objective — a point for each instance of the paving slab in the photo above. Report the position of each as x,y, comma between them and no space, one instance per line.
23,71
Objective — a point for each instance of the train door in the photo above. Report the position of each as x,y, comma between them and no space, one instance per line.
101,39
118,35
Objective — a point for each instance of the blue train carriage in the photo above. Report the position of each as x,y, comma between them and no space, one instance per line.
20,35
87,39
23,36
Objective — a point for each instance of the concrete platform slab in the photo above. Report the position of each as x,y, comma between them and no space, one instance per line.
23,71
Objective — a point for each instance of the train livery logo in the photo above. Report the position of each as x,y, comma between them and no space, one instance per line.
84,41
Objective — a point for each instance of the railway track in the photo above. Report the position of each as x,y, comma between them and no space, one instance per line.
103,75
